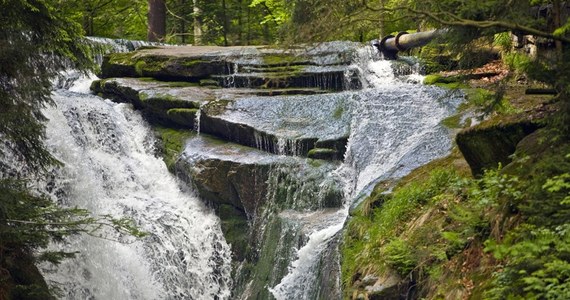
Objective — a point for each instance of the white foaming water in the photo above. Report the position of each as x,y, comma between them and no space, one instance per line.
110,169
300,282
395,128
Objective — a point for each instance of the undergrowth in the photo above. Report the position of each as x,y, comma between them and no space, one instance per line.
505,235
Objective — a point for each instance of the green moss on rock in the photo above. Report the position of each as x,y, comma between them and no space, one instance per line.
453,121
485,147
323,153
183,116
209,82
140,64
236,230
284,59
172,143
165,101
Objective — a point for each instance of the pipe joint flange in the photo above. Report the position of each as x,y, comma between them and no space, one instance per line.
383,41
388,54
397,41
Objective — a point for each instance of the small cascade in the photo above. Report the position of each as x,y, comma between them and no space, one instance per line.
320,68
197,119
287,146
262,142
301,198
110,168
101,46
395,128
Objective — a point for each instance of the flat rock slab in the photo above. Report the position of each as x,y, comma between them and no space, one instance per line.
229,173
236,181
329,53
291,125
301,66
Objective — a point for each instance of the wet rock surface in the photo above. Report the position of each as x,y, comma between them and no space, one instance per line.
247,187
489,144
279,101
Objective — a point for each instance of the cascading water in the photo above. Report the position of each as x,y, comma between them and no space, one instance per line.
395,128
110,168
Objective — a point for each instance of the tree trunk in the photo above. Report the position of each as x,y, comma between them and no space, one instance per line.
182,21
381,21
240,22
225,22
197,24
156,20
557,20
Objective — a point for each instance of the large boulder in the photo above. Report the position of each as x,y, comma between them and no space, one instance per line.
492,142
236,181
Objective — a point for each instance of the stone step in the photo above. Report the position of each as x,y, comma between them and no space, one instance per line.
286,125
234,180
328,80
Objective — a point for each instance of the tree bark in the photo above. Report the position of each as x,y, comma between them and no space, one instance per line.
156,20
381,21
225,22
197,24
556,18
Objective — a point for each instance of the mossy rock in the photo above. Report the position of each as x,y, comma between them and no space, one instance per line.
283,60
217,107
485,147
236,230
338,145
449,82
172,142
323,153
453,121
183,116
118,93
165,102
136,64
118,65
20,278
209,82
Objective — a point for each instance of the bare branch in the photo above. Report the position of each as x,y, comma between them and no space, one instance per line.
461,22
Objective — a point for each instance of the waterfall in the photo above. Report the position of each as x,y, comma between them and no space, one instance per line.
110,168
395,128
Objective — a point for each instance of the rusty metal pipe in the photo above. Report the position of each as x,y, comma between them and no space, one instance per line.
391,45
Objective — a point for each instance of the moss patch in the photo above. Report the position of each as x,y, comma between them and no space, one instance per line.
235,228
453,121
337,114
281,59
216,107
322,153
172,142
183,116
488,145
137,64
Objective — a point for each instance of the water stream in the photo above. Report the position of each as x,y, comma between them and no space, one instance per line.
395,128
111,169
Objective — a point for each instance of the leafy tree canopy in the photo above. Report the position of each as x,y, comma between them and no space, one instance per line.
38,40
